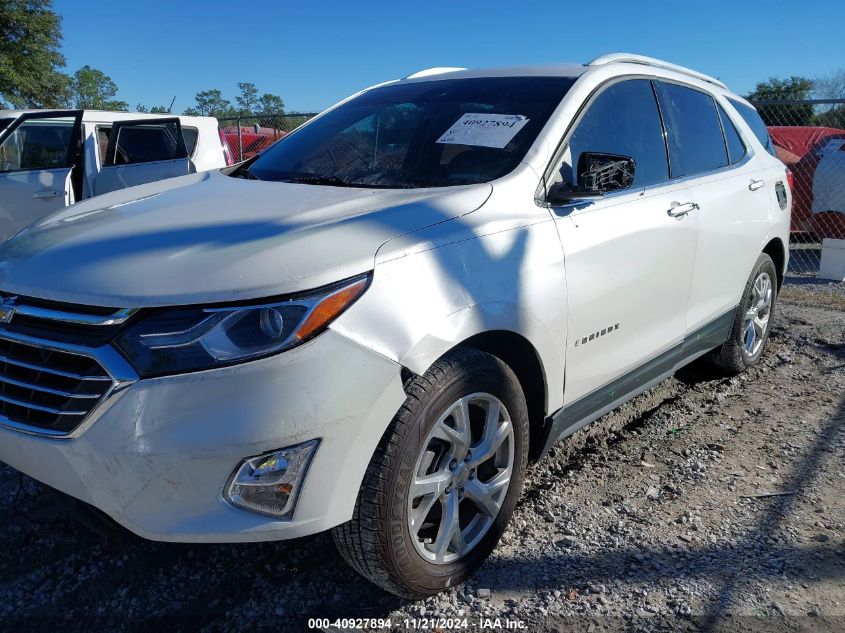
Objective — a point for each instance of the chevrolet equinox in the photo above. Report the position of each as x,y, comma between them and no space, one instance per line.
373,326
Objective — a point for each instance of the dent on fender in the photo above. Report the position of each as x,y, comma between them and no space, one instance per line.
425,301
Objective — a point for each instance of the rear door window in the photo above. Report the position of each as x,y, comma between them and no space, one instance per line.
752,118
693,130
621,120
736,148
134,142
190,134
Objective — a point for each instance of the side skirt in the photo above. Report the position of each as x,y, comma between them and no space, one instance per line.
576,415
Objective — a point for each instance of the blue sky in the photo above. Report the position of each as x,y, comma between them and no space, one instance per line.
314,53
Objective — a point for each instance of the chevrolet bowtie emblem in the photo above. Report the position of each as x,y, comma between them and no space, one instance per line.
8,307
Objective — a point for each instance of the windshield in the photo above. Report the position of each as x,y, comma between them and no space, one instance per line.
420,134
4,123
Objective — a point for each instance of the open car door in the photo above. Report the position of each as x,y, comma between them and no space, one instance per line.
38,152
141,151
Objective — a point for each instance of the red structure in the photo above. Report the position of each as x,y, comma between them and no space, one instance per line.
816,157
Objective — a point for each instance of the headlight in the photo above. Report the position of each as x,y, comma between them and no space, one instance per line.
190,339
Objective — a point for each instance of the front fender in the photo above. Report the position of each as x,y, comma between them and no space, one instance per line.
422,305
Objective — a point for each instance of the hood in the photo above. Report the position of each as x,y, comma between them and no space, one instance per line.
210,238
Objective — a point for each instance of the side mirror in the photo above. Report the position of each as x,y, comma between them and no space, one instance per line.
598,174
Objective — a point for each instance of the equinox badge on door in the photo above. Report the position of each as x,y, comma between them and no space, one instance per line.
592,337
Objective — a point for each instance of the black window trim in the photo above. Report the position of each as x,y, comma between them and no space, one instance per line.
540,195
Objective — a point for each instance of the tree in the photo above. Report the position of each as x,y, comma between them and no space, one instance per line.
93,89
831,87
248,99
140,107
271,104
775,89
30,61
211,103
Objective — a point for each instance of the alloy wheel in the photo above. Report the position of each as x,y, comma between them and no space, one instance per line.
756,321
461,478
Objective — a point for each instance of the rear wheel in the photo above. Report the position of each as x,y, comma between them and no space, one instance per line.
752,321
445,478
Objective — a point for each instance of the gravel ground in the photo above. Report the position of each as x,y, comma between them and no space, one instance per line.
660,516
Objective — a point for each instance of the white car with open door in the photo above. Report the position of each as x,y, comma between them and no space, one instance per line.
50,159
375,324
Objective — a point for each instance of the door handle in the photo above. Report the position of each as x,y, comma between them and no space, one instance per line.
755,184
48,194
680,209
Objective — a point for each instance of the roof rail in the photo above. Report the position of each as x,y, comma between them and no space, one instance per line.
437,70
631,58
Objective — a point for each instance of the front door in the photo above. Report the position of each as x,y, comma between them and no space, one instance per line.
629,255
37,156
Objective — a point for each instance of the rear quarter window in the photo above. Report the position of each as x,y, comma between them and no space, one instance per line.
752,118
190,134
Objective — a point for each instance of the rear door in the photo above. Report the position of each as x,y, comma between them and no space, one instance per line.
142,151
723,179
37,156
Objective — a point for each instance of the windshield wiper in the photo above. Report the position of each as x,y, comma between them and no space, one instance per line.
316,179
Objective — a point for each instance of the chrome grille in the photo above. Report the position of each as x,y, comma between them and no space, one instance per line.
49,389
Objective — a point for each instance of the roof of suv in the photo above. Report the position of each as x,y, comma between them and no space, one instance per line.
563,70
546,70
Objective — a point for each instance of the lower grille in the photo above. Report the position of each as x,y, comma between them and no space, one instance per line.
47,388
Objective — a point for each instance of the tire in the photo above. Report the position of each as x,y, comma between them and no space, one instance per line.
378,542
735,355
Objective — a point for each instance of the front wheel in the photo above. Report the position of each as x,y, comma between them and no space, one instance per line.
752,321
444,481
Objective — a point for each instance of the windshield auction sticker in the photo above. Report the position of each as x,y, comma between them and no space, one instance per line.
484,130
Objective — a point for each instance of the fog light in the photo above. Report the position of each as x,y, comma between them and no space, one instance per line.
269,484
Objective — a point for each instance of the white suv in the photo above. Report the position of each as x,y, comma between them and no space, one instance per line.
49,159
374,325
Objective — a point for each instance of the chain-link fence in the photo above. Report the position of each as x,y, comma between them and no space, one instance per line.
249,135
809,137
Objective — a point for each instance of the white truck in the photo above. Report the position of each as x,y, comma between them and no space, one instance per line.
50,159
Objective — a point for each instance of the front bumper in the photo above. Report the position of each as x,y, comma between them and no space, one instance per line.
158,460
